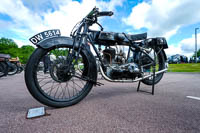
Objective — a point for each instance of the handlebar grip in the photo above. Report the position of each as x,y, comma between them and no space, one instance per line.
105,13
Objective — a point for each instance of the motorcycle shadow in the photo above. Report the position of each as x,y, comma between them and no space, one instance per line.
111,92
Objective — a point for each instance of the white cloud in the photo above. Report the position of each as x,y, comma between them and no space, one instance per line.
24,21
22,16
164,17
20,42
172,50
138,15
65,14
72,12
185,47
188,45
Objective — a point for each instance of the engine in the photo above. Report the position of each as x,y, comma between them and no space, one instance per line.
129,70
117,67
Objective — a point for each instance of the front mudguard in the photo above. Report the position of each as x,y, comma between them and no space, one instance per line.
52,42
67,41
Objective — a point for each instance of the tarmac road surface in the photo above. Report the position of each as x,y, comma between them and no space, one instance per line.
112,108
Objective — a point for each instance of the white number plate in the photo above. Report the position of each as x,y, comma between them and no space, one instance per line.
44,35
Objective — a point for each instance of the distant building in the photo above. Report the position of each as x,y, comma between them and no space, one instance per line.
176,59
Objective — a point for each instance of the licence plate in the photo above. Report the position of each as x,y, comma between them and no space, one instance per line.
44,35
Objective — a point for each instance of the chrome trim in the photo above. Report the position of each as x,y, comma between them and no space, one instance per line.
128,81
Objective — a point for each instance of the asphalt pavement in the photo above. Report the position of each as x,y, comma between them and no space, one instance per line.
112,108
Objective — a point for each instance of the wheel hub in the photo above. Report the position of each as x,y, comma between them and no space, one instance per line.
58,73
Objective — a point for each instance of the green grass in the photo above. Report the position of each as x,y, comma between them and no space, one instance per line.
190,67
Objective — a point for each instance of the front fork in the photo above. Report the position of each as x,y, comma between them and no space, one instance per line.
79,40
73,56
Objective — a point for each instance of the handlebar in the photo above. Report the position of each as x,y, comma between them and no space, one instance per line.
90,19
95,13
105,13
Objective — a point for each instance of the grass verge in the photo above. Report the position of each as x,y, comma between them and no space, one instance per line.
190,67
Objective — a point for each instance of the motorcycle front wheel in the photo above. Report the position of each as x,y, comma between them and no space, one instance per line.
49,83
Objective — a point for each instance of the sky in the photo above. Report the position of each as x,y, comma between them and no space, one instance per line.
175,20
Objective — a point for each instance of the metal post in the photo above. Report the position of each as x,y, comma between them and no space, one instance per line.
196,44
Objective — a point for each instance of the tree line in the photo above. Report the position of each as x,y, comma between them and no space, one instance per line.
198,53
8,46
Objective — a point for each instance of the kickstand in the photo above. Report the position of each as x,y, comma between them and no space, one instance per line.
152,91
153,84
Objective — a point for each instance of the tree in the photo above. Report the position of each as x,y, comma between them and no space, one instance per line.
25,52
8,46
198,54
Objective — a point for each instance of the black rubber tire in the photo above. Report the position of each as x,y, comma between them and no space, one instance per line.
20,69
4,69
161,66
35,91
13,70
2,73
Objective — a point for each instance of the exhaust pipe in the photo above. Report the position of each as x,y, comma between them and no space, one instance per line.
129,81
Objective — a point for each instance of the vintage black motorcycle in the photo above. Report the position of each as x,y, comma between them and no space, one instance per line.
70,69
7,66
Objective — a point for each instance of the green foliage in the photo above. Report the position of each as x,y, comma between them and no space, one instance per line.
8,46
198,54
25,52
60,52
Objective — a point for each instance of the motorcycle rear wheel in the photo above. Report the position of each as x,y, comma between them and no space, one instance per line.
12,69
160,65
20,69
55,88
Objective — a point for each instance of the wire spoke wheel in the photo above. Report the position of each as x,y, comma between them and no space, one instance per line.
12,69
52,78
57,82
149,67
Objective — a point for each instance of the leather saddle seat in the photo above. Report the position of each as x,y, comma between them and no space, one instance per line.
133,37
113,37
110,38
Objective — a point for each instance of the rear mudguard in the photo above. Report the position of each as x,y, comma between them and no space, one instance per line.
67,41
165,56
159,42
162,42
